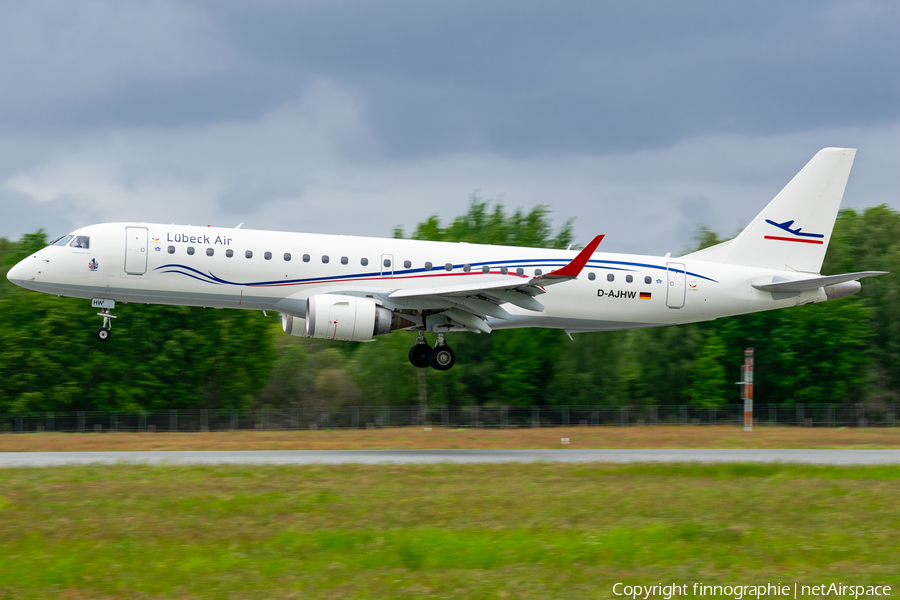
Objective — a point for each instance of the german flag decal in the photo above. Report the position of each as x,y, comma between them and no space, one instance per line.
645,295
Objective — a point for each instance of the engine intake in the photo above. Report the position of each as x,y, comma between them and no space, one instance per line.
348,318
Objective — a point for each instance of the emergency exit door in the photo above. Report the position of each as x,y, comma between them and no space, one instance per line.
677,286
135,250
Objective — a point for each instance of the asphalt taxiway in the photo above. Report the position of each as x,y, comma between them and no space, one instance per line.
372,457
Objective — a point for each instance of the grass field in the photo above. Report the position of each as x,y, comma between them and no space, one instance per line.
443,531
722,436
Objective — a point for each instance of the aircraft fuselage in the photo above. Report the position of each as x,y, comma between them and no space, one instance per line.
277,271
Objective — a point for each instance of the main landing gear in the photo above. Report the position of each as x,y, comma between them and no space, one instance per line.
420,353
441,357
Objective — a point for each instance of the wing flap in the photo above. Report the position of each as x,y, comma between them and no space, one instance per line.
467,320
484,307
519,299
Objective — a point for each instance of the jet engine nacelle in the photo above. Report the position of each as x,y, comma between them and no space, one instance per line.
348,318
293,325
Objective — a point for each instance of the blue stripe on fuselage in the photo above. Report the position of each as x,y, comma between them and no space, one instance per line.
377,275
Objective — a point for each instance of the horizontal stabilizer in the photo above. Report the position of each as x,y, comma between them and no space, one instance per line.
803,285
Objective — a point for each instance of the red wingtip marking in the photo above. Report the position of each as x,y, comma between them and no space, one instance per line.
574,268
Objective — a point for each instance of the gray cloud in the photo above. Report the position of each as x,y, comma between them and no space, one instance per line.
314,165
515,77
62,57
353,117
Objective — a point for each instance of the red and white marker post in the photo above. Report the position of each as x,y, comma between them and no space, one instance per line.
747,387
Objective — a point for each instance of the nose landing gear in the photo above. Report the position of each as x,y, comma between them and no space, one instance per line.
441,357
103,333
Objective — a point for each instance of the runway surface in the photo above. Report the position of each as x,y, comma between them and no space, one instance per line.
369,457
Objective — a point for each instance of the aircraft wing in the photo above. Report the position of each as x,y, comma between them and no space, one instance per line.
473,302
803,285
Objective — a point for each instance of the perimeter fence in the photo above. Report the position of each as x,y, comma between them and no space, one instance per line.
363,417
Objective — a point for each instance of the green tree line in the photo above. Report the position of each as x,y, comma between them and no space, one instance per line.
842,351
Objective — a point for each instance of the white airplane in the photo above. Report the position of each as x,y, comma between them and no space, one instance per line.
353,288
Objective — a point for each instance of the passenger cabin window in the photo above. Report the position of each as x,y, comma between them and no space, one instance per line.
210,251
520,271
428,266
62,241
592,276
248,254
387,262
190,250
306,258
448,267
344,260
267,256
171,249
485,269
325,258
364,262
538,272
504,270
287,257
81,241
629,278
467,268
647,279
407,264
610,277
229,253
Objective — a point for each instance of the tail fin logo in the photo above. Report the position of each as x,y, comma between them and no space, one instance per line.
798,235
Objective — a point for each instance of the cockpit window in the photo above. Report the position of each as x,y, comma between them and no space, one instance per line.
61,241
81,241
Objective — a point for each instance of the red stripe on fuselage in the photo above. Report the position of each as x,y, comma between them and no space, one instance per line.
784,239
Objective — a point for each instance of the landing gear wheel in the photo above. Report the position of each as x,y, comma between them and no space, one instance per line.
442,357
419,355
102,334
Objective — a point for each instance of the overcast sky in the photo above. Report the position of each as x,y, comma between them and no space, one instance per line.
639,119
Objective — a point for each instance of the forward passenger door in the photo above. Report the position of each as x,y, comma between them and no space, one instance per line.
135,250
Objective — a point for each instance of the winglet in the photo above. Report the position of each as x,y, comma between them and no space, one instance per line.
574,268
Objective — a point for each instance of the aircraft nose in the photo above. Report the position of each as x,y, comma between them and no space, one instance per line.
16,274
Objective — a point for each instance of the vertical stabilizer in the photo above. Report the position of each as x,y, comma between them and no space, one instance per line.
793,231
